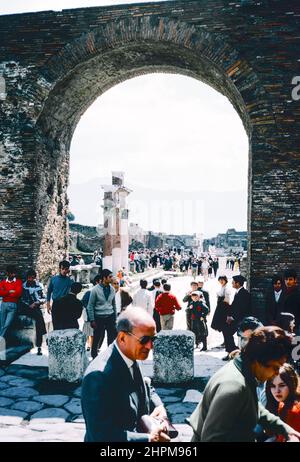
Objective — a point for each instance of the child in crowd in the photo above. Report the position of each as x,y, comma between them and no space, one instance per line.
199,312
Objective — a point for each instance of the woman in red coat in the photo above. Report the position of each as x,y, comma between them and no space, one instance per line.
283,396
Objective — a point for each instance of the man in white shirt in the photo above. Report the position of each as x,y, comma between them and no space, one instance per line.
114,394
143,298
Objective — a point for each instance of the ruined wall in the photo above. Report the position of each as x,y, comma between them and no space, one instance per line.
55,64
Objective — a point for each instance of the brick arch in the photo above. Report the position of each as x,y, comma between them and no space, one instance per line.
150,45
99,59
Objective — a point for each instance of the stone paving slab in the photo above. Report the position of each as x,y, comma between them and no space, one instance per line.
51,415
19,392
32,359
6,402
28,372
11,416
179,411
4,386
74,406
28,406
21,382
7,378
53,400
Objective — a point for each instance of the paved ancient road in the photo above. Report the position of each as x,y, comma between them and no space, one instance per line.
30,405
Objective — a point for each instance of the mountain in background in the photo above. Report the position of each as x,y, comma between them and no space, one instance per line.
172,212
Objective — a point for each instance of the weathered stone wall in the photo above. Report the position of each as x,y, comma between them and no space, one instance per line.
55,64
85,238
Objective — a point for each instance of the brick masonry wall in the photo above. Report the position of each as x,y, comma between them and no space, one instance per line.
55,64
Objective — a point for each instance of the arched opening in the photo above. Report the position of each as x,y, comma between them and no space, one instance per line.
182,147
87,67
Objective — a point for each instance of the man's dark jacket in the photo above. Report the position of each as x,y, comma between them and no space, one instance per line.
110,401
65,312
241,306
273,308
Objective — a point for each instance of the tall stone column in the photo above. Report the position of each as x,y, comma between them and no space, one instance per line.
124,239
117,182
121,237
109,212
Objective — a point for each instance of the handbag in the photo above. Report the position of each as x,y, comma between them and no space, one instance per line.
148,423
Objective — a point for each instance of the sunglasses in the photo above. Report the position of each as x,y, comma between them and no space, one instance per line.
144,339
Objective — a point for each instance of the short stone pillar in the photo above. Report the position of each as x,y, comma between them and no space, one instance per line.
67,355
22,331
173,357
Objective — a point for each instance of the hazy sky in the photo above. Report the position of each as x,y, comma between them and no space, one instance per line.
166,132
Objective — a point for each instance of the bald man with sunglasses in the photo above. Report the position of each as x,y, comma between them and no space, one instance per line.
114,393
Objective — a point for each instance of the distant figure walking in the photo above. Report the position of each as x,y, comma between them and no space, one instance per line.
199,311
166,304
143,298
102,312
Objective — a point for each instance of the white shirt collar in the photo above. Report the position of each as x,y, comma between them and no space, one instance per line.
237,290
127,360
277,295
14,280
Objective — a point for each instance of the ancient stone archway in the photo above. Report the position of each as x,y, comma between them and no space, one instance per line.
66,60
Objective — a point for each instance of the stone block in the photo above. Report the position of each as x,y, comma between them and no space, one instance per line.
67,356
173,357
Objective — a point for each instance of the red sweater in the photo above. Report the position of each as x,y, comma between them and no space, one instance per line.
166,303
6,286
292,418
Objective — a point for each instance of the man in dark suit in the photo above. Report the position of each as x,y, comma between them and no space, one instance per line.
238,310
67,310
275,301
156,291
114,394
292,299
